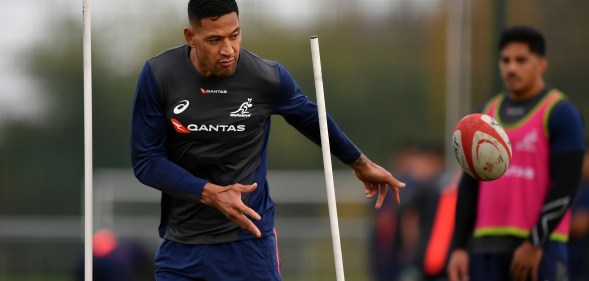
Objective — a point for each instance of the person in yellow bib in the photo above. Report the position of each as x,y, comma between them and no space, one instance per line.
516,227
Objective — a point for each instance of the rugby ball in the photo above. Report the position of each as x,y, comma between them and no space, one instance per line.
481,147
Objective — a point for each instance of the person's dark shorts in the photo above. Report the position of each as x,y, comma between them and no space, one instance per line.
493,267
247,260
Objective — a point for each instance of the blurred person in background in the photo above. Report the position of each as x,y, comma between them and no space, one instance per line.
516,227
401,234
199,130
383,261
116,260
579,240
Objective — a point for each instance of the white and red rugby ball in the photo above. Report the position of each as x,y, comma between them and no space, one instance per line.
481,147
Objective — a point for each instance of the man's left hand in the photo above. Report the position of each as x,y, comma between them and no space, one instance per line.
525,262
376,179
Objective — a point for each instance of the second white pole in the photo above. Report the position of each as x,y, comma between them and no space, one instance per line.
333,219
88,172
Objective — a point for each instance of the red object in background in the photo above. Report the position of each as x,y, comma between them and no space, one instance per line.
105,241
439,241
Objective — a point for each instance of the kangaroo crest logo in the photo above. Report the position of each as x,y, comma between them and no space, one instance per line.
242,111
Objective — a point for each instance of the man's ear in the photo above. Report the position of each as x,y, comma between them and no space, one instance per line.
543,65
189,36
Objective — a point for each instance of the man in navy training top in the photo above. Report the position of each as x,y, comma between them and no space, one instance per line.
199,132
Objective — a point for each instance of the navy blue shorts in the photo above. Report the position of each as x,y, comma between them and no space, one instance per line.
493,267
247,260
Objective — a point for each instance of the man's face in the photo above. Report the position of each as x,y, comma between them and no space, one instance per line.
215,45
521,69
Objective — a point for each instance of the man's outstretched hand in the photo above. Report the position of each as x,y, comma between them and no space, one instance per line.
227,199
376,179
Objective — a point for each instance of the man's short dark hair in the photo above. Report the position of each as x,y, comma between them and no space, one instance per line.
199,9
524,34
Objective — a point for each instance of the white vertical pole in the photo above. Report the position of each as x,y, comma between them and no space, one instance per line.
466,106
458,69
88,177
454,52
337,250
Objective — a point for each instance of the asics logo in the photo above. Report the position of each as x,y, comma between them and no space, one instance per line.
528,143
183,105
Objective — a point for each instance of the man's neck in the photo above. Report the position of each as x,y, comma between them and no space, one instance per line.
528,93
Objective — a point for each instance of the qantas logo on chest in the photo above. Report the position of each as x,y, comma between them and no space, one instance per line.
181,129
205,91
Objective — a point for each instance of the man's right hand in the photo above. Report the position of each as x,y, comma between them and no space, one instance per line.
227,199
458,265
